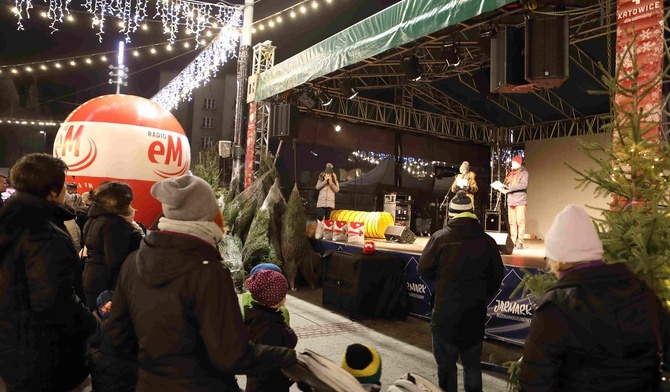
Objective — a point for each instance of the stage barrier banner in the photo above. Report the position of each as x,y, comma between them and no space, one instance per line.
508,319
642,19
251,145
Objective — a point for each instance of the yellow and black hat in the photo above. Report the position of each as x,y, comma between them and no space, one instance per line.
363,362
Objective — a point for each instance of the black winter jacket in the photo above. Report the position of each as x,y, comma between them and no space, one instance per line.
176,312
592,331
109,239
267,326
466,266
44,323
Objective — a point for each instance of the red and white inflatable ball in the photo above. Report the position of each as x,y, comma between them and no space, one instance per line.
123,138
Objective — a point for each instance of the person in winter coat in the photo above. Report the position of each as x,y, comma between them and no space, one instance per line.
599,327
247,299
175,311
44,323
466,266
109,238
327,186
465,181
516,183
265,324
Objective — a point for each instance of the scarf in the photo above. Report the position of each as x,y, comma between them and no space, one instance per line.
206,231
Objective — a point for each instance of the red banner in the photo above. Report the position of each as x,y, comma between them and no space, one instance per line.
251,144
642,19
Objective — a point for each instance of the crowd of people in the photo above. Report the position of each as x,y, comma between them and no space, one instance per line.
157,310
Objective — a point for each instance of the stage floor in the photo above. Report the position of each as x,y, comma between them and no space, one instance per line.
531,256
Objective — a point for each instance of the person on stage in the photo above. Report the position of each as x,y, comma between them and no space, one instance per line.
327,186
516,184
467,268
465,181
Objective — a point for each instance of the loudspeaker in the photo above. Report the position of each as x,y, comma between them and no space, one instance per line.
507,60
504,241
493,221
547,51
399,234
225,148
307,101
283,121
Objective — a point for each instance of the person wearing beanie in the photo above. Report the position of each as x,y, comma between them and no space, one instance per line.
108,237
465,181
598,328
327,186
247,299
461,252
516,183
176,316
265,324
365,364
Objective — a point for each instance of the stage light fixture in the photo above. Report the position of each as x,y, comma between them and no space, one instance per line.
338,128
452,53
412,67
306,100
347,88
324,98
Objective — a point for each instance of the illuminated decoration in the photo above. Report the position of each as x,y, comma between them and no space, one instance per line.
200,70
417,167
274,20
42,123
195,16
87,60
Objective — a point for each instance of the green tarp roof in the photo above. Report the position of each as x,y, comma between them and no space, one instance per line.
397,25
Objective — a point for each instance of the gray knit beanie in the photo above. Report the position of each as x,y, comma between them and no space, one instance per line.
186,198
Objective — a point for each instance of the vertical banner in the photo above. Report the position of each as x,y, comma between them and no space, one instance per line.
642,19
251,146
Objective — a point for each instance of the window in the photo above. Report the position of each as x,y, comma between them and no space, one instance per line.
209,103
208,122
206,143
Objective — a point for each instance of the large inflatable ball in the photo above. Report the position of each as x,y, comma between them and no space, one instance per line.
123,138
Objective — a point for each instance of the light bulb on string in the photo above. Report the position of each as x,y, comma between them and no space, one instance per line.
261,27
279,19
186,45
303,9
57,65
136,53
43,67
88,61
145,27
73,63
103,58
271,24
70,18
292,14
29,69
315,5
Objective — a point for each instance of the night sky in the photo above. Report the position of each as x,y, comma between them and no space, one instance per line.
66,88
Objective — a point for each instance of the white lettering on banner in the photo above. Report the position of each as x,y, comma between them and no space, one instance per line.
416,287
108,150
513,308
639,10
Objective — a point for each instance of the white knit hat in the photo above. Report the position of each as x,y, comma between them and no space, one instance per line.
572,237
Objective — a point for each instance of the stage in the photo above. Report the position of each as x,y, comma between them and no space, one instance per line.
508,316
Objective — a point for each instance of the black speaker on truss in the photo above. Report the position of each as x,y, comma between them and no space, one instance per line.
547,54
283,121
507,60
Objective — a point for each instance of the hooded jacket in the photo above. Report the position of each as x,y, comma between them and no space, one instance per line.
43,322
267,326
109,239
517,184
592,331
327,191
176,312
466,266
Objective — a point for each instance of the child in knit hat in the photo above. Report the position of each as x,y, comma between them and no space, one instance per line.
247,298
265,324
364,363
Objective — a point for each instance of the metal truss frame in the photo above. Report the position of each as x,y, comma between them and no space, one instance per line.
564,128
448,105
263,59
400,117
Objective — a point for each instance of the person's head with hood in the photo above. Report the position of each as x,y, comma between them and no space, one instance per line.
465,167
189,207
572,240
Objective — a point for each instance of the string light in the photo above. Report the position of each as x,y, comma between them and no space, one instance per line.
87,58
198,72
278,17
417,167
29,122
196,15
